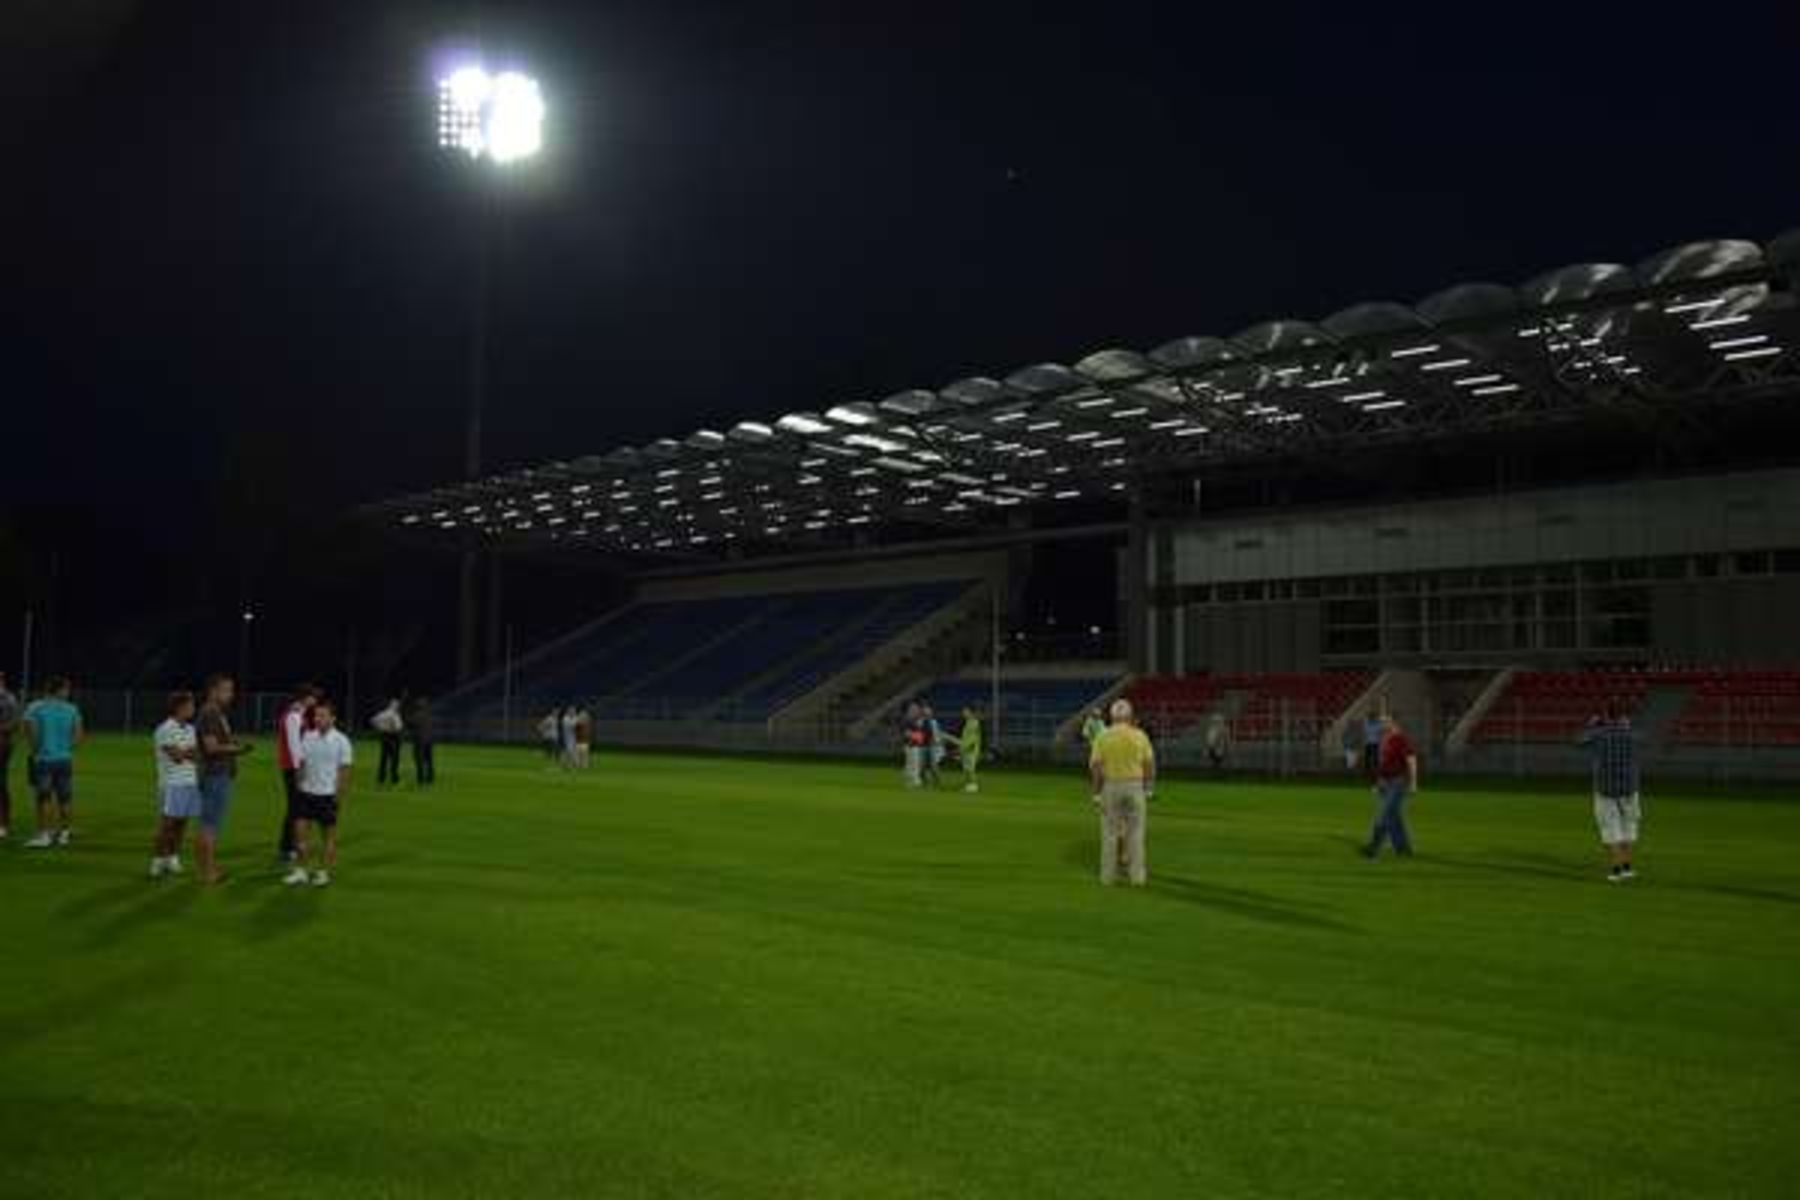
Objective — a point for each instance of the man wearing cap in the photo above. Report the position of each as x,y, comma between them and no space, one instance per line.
1122,767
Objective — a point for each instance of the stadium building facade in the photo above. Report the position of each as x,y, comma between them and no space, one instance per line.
1489,512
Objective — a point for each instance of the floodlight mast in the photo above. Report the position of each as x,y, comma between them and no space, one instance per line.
496,119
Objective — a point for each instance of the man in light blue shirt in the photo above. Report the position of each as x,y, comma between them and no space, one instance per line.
53,728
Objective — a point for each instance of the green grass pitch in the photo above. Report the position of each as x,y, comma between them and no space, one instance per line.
696,977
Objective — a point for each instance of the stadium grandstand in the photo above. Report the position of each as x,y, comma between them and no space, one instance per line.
1440,509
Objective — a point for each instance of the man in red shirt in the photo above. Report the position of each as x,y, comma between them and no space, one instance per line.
295,719
1396,777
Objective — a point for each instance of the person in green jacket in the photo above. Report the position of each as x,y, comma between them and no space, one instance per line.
968,740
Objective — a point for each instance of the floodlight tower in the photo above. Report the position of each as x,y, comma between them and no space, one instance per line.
496,121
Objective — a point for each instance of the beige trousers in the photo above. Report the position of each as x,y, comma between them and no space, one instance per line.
1122,832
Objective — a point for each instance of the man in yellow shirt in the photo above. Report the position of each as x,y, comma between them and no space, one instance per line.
1123,770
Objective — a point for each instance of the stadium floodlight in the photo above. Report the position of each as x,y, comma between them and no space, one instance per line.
497,117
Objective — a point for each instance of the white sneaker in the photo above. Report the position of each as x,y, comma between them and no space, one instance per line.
4,833
156,868
295,876
321,878
174,865
41,841
970,789
62,837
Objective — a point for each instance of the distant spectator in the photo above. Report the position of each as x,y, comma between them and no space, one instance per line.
1092,727
423,727
934,746
968,742
584,738
1618,811
390,726
1353,743
1396,778
1373,730
53,728
565,737
9,726
912,742
1218,741
550,734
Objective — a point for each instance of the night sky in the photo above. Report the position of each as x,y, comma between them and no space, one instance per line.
239,270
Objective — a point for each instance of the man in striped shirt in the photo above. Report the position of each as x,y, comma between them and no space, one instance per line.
1612,746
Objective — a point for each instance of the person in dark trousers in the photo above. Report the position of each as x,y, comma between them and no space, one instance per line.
390,726
424,735
9,727
296,718
1396,778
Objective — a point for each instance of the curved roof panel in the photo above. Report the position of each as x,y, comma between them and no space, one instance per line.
1702,323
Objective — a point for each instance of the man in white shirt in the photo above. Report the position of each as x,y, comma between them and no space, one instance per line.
390,725
568,737
177,783
550,734
324,778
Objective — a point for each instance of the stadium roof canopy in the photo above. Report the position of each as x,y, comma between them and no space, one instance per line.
1707,322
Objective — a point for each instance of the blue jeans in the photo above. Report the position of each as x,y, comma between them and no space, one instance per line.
215,801
1390,817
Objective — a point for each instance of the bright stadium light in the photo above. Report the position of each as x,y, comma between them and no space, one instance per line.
497,117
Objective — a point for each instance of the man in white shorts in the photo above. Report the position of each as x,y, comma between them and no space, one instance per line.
1618,811
177,783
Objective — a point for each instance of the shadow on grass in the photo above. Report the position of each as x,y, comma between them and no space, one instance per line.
1592,870
1241,902
90,1005
284,910
1761,895
164,901
104,898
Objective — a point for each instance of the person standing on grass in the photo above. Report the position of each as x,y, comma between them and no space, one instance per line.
1218,742
968,741
390,726
565,733
1091,728
295,719
177,752
9,727
424,739
219,752
1352,742
550,734
912,744
1374,729
934,747
1122,769
53,729
1396,778
584,738
325,759
1612,746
